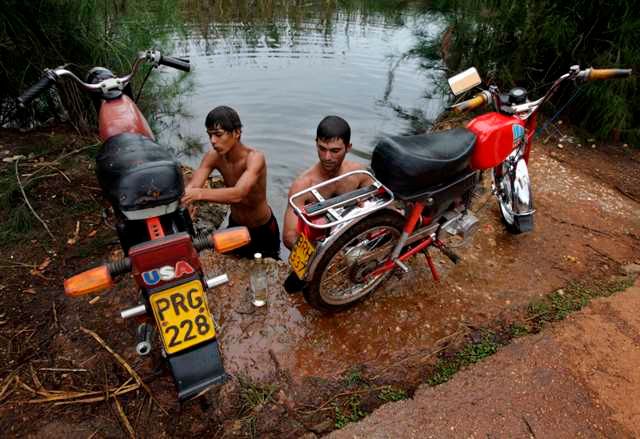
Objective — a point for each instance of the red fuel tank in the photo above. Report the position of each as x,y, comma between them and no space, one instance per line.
497,135
122,116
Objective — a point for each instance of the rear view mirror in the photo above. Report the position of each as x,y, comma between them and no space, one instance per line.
464,81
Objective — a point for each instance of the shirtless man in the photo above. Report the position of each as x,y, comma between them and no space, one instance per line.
333,138
244,172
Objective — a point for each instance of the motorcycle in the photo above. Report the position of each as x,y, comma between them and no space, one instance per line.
420,192
143,182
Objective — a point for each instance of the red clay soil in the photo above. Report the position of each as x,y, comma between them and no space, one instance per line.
579,379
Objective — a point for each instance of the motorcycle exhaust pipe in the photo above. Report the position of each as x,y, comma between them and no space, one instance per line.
143,347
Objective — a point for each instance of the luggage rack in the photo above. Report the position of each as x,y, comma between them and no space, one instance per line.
364,201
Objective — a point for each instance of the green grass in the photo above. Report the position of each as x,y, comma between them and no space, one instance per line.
391,393
553,307
471,353
354,378
349,412
254,394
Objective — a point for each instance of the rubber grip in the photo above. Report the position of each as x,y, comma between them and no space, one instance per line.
176,63
121,266
595,74
35,90
470,104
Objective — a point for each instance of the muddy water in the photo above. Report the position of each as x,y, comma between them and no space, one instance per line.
283,70
403,321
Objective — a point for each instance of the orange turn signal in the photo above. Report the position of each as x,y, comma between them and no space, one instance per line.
90,281
230,239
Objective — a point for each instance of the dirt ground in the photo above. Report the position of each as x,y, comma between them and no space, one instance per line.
294,371
579,379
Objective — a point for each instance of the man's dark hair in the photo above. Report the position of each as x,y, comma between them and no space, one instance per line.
333,127
223,117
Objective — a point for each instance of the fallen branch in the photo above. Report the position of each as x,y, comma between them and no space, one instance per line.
125,365
26,200
123,418
64,397
604,255
627,194
5,385
422,355
581,226
339,395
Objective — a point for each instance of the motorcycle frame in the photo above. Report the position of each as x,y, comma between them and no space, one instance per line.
425,233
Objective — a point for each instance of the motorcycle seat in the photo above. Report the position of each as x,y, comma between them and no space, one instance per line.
411,164
136,173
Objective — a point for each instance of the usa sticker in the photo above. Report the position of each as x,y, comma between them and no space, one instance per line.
167,272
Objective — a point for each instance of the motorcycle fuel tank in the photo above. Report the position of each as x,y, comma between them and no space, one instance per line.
121,115
497,135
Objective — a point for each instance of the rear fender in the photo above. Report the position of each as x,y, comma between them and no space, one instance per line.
337,232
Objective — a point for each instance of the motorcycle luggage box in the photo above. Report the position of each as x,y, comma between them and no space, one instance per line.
136,173
409,164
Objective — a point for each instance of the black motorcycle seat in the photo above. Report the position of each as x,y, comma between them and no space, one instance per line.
411,164
136,173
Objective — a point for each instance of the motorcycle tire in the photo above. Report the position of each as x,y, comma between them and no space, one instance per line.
353,243
514,224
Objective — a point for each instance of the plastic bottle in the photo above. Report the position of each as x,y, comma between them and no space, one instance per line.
258,281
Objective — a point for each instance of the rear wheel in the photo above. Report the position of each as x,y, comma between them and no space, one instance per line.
341,277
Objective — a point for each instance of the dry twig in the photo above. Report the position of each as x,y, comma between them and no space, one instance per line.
339,395
26,200
125,365
123,418
5,385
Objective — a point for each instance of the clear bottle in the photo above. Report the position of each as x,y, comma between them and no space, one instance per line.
258,281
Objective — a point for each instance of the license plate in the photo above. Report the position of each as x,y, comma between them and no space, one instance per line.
182,316
300,255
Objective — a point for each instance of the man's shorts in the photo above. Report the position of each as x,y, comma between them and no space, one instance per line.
265,239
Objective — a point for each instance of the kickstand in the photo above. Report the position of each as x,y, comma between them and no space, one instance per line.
432,266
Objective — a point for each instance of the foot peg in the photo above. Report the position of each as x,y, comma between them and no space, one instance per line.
448,252
402,265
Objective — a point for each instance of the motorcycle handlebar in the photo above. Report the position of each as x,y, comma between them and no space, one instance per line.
51,76
477,101
36,89
176,63
595,74
100,278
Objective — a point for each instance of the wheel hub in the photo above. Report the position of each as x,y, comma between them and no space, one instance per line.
360,271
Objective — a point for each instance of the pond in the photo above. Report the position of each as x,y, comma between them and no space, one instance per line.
285,68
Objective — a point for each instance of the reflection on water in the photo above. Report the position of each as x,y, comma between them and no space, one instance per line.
284,65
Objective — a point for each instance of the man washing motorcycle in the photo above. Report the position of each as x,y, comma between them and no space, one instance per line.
244,172
333,137
333,142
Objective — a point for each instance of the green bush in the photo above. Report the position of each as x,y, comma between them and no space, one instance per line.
41,34
532,43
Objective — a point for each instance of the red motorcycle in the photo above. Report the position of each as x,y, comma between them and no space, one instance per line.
421,189
143,182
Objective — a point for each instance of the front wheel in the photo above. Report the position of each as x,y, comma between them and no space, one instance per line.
514,194
341,276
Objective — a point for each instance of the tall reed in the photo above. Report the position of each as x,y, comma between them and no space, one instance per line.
532,42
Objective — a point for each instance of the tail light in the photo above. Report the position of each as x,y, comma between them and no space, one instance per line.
230,239
90,281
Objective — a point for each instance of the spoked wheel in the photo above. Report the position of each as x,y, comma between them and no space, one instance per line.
505,188
342,275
